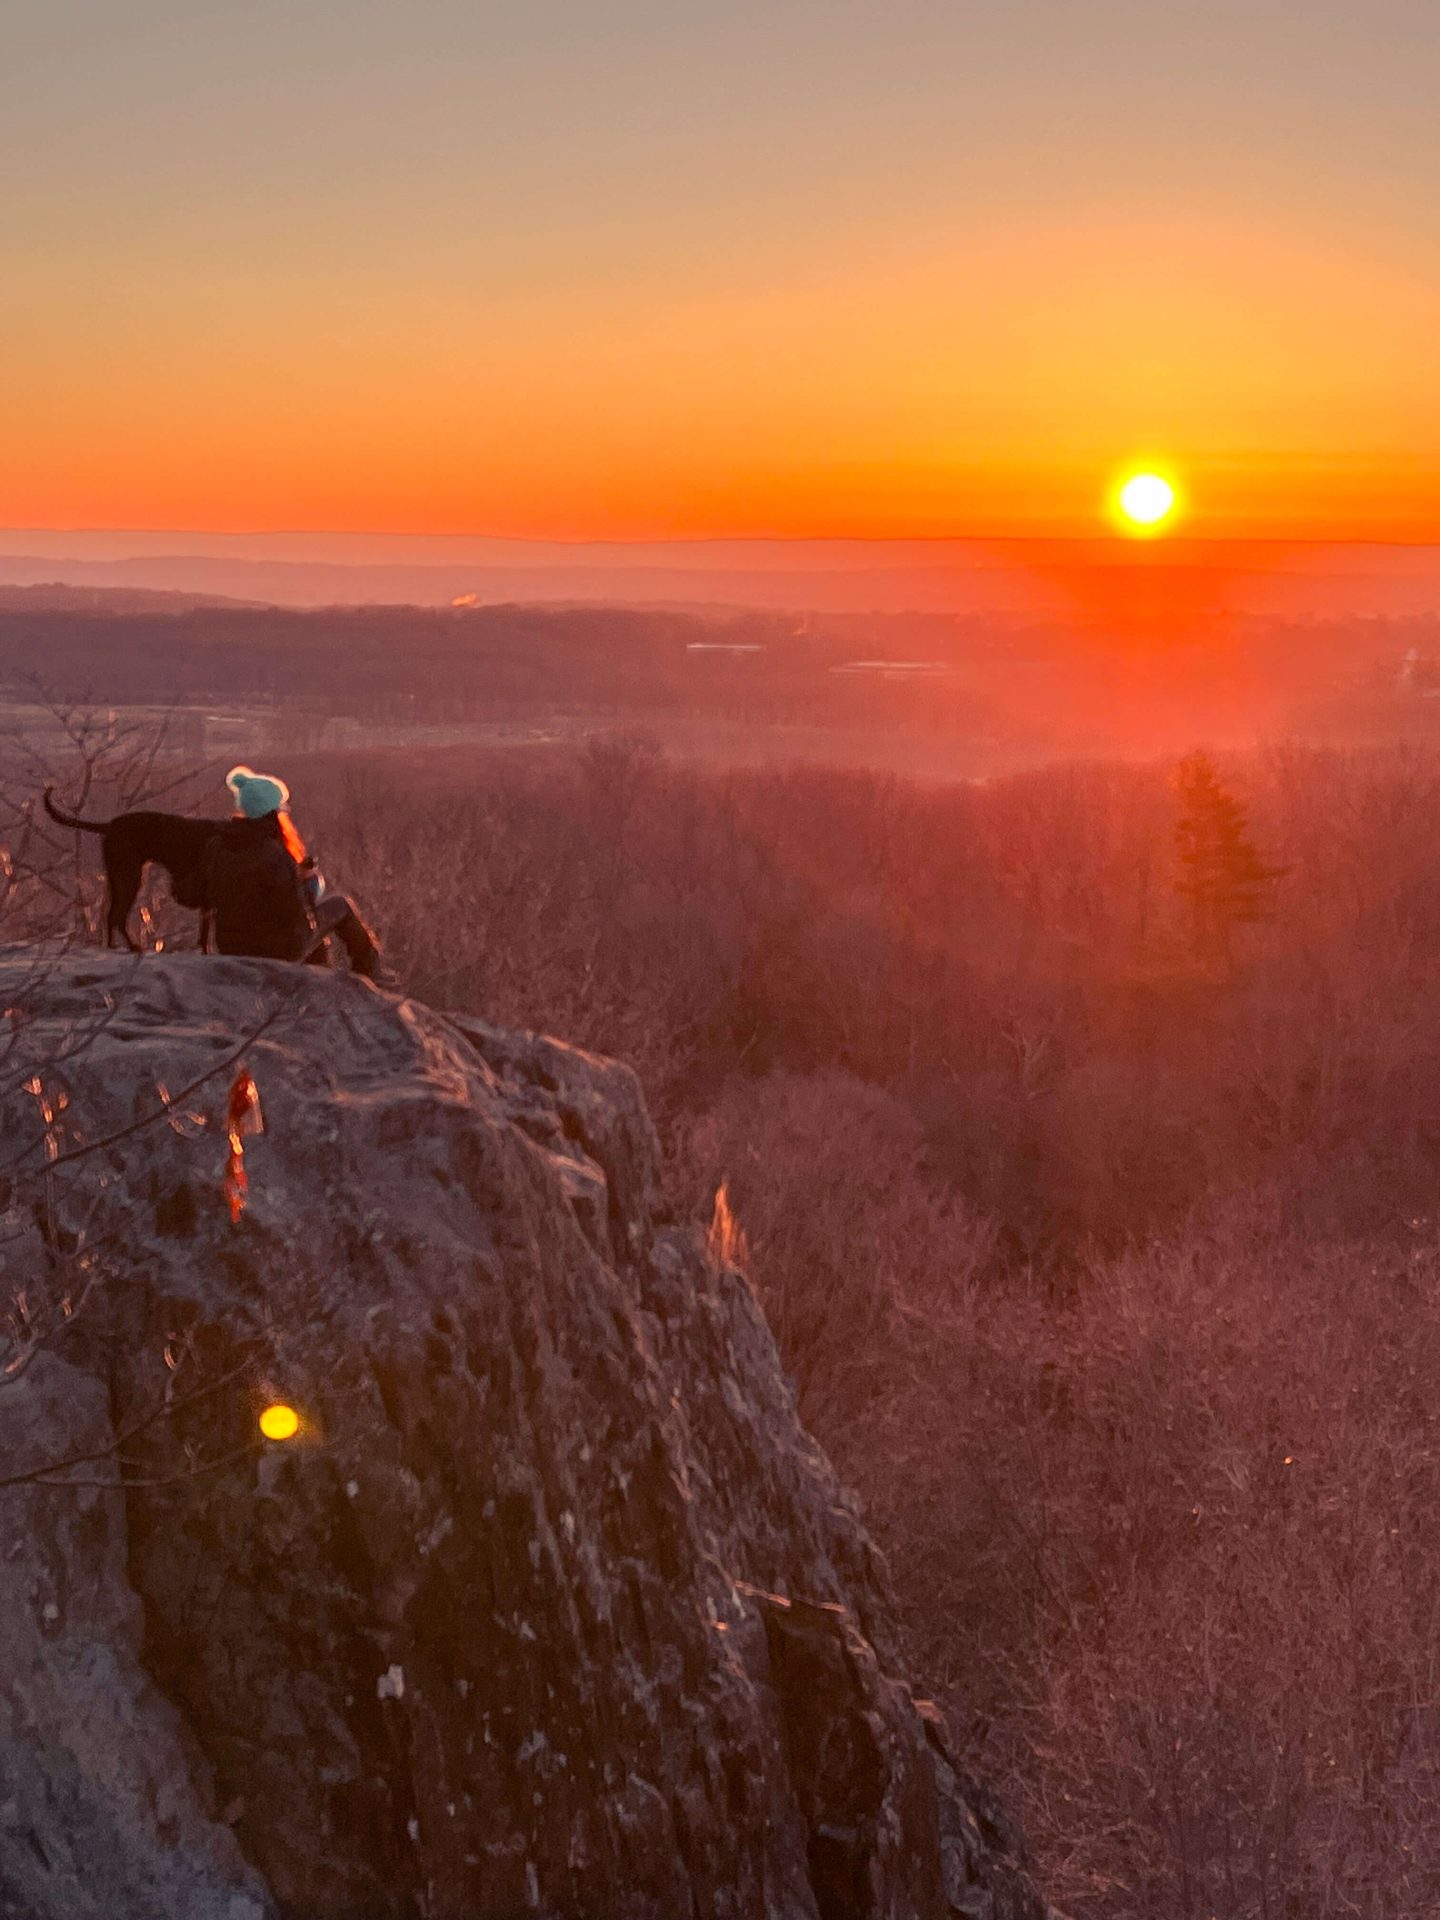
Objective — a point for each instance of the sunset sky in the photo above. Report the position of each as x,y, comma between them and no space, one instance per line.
622,270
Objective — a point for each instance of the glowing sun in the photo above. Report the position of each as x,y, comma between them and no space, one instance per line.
1146,501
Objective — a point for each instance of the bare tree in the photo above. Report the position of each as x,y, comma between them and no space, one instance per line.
96,758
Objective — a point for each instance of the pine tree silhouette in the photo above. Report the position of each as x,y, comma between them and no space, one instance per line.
1222,874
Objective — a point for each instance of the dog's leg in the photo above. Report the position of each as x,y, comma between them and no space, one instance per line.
123,877
115,923
205,929
119,922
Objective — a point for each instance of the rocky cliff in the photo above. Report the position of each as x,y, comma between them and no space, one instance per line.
551,1607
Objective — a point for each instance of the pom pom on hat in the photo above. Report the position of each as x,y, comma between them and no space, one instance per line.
256,794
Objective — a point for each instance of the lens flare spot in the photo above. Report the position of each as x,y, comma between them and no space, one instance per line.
279,1423
1147,499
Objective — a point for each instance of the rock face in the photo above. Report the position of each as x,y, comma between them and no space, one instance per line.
551,1608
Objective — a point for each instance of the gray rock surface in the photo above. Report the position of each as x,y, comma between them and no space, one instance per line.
552,1608
106,1808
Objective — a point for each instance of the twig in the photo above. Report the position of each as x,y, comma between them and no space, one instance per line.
159,1480
166,1410
150,1119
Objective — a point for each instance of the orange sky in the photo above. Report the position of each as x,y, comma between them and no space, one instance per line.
625,271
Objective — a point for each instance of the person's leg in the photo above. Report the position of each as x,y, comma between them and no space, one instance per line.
326,918
336,915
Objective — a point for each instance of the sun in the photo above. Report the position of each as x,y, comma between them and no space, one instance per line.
1145,502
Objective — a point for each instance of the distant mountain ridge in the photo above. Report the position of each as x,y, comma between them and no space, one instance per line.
940,576
59,596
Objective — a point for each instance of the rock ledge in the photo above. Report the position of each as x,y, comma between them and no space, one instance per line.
554,1609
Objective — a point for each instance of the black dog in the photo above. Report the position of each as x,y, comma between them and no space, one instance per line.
130,842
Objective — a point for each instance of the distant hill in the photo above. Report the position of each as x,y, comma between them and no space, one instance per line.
1075,579
57,596
209,579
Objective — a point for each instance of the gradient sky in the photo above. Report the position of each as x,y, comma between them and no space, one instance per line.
635,270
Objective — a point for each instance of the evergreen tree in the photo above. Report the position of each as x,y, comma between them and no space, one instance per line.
1222,874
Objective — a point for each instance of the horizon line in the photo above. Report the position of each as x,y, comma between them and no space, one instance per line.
1098,537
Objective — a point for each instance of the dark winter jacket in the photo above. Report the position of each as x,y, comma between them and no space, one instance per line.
255,892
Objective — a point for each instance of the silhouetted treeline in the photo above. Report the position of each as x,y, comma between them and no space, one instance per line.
1030,683
417,666
1016,960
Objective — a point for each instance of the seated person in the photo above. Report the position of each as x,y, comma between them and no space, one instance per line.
260,833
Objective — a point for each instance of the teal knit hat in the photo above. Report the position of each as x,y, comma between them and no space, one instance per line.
256,794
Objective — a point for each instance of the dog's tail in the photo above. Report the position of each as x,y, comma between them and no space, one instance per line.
71,819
